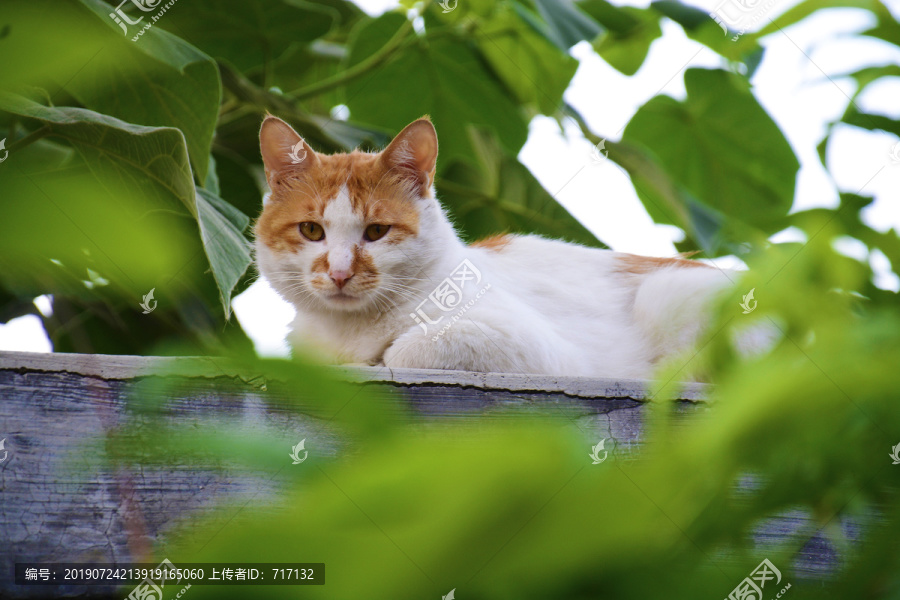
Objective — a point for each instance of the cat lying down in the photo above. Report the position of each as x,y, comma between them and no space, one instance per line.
361,247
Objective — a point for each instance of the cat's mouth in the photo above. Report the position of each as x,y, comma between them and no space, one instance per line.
342,297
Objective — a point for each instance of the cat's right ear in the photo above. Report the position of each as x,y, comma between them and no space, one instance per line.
284,152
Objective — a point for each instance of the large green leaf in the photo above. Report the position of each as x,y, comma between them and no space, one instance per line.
443,78
152,162
721,147
158,80
250,33
535,70
501,195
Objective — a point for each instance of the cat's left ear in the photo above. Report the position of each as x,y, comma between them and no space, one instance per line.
414,152
284,152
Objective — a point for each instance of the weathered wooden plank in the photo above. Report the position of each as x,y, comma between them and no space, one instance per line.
54,406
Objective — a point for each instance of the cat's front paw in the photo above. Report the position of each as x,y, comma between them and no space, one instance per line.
467,346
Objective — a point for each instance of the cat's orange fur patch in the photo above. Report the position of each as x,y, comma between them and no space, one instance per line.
494,242
639,265
378,195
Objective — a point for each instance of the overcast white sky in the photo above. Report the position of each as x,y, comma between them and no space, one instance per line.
792,84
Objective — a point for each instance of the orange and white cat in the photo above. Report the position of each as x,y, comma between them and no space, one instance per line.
360,246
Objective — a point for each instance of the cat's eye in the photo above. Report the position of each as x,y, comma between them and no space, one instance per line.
312,231
376,232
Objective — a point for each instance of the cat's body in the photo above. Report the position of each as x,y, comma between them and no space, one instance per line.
414,295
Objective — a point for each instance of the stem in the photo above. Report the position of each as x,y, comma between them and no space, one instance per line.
31,137
361,68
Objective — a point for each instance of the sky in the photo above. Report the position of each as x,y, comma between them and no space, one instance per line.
797,83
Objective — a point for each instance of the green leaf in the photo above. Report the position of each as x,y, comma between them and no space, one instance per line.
212,178
867,76
871,121
566,23
719,146
700,26
630,31
153,162
444,78
501,195
536,71
158,80
250,33
806,8
221,227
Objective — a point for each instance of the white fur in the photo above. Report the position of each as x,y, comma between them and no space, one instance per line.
549,307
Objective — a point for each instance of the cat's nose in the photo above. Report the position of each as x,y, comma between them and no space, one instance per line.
340,278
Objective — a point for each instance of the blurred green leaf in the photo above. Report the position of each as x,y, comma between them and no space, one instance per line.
630,31
567,24
153,163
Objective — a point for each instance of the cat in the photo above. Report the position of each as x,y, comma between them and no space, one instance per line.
359,244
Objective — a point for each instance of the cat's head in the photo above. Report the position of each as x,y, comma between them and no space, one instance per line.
347,232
